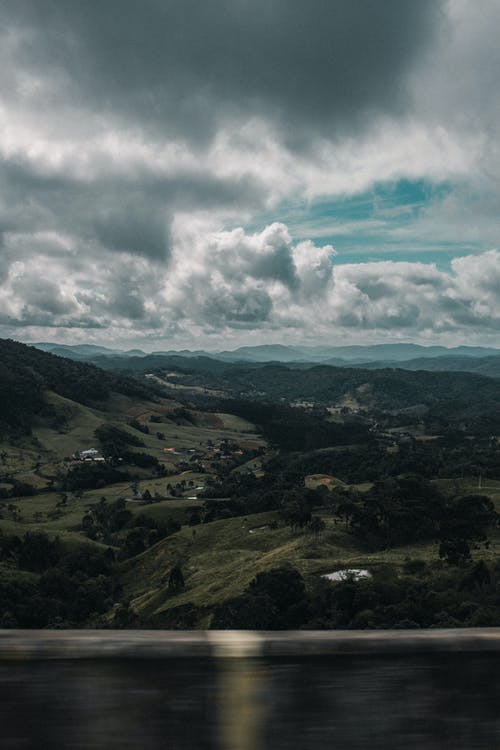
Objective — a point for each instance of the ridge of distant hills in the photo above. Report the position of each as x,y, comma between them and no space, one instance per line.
30,370
477,359
85,352
350,354
489,366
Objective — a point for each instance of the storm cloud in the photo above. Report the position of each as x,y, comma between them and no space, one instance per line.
179,67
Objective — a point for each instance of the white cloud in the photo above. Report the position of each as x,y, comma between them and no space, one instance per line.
235,286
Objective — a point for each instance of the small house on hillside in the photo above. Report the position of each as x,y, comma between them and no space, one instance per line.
89,453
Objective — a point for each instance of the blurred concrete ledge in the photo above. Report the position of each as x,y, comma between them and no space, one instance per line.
144,644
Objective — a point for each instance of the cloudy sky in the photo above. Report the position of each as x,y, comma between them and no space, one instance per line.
183,173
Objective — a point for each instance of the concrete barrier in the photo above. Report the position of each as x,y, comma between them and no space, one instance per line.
242,690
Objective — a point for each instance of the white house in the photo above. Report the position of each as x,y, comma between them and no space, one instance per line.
90,453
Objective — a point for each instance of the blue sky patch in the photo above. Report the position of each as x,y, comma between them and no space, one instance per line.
388,222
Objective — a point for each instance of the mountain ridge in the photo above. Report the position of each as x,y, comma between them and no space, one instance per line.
481,360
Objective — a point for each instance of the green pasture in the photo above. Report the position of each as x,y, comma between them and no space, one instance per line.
221,558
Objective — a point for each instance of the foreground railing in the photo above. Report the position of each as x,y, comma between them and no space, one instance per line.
100,690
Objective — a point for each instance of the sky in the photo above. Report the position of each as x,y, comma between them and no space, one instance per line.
189,174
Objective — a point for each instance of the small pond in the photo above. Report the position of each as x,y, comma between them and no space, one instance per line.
354,574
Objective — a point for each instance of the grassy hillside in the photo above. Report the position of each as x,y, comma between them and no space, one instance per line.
220,559
60,534
26,373
42,458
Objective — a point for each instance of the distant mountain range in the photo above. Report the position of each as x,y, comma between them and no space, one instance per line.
351,355
489,366
85,352
481,360
386,353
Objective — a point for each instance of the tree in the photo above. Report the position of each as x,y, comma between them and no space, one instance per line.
38,552
465,520
176,579
317,526
346,507
285,586
455,551
275,599
296,514
133,544
194,518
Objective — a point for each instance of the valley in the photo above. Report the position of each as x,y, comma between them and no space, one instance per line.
191,498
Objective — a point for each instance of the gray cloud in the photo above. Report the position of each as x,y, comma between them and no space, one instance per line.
240,308
179,66
42,295
128,212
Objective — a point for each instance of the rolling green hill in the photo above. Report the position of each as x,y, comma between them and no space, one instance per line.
26,373
220,559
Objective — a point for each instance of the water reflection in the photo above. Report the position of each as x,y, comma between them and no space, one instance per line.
243,703
238,699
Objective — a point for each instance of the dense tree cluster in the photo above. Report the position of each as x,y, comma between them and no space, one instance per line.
115,443
323,384
92,475
422,596
17,488
139,426
372,462
105,520
60,588
410,509
114,440
273,600
144,532
46,585
296,430
142,460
